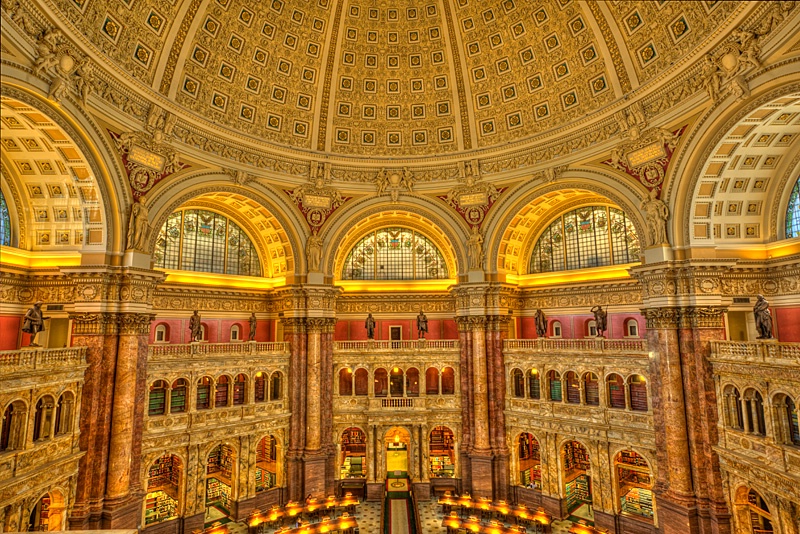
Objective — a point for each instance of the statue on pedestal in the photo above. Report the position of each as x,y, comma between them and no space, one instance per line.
138,226
422,325
763,318
600,319
253,323
541,323
313,251
33,323
195,327
370,326
475,243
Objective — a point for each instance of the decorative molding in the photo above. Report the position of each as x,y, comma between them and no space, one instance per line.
94,324
317,200
135,324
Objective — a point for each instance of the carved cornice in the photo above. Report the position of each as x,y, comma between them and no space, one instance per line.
322,325
684,317
395,303
294,325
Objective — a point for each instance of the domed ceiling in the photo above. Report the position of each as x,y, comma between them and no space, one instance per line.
399,78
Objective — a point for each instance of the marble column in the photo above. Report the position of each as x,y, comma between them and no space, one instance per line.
294,333
497,327
318,476
97,332
122,506
467,417
481,457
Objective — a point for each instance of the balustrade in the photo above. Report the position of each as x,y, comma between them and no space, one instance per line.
597,344
24,360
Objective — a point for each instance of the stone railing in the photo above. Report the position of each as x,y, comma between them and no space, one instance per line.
218,349
769,352
409,344
12,361
595,344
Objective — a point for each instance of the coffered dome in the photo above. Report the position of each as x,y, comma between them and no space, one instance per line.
401,78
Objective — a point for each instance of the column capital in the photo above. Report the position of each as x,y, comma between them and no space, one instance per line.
294,325
94,324
661,317
137,324
685,317
323,325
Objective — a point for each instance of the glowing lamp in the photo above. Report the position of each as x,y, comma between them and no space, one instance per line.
397,438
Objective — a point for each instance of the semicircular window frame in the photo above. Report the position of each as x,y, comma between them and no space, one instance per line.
793,212
406,255
583,238
183,232
5,222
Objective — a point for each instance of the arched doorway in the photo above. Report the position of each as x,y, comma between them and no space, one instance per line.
163,489
397,443
753,513
219,482
577,480
442,453
266,463
48,513
530,461
634,485
353,463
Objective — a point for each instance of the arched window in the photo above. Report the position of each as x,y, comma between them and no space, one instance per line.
381,386
734,417
158,398
530,461
760,518
448,381
589,236
204,393
163,489
787,425
556,328
221,392
43,418
276,386
518,383
591,386
396,382
534,385
345,381
442,453
239,390
638,393
260,385
634,484
754,404
554,380
591,328
177,397
354,453
616,391
394,254
5,222
64,413
235,333
432,381
12,426
632,328
412,382
573,388
362,382
793,212
161,334
201,240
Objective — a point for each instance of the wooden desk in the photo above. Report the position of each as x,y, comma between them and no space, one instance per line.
346,525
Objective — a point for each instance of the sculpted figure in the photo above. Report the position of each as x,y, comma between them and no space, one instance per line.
475,243
369,324
408,179
313,251
33,323
541,323
712,78
422,325
138,226
600,319
46,48
382,180
84,79
195,327
656,212
253,323
763,318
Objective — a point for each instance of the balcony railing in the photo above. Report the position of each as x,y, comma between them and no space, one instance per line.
770,352
596,344
409,344
218,349
26,360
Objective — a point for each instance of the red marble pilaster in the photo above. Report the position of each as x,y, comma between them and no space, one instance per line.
294,332
497,327
465,342
97,332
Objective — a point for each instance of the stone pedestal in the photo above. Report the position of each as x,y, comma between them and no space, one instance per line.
122,513
552,505
481,474
375,491
422,491
314,475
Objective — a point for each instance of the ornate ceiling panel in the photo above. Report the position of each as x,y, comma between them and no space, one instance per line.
659,33
59,198
731,202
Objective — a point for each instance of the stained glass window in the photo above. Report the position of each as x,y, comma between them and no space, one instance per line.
793,212
590,236
201,240
5,222
394,254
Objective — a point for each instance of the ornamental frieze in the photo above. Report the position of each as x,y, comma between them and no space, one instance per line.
394,304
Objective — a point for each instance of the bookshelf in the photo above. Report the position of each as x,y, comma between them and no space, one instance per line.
220,462
576,458
164,474
638,396
353,467
578,491
635,484
264,479
555,389
178,400
638,501
442,455
218,493
592,392
266,456
159,506
442,467
156,402
203,396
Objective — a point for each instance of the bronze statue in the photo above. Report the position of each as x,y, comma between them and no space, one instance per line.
763,318
195,327
33,323
253,323
422,325
541,323
600,319
370,326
